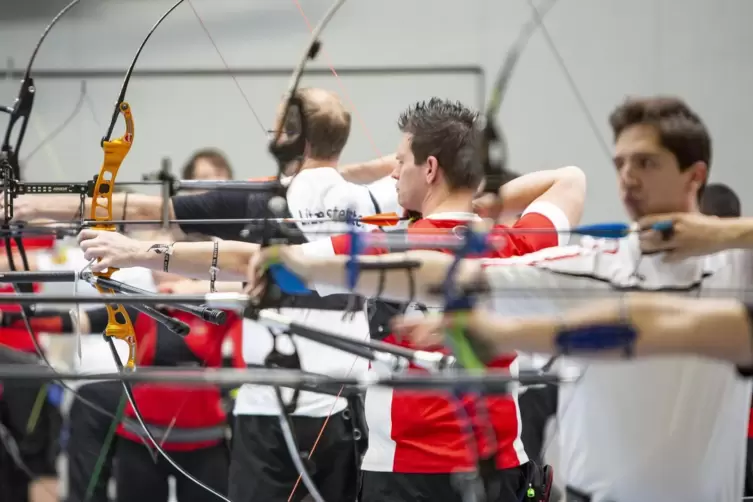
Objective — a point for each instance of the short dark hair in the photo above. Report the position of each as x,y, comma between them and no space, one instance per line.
327,129
720,200
211,155
680,129
445,129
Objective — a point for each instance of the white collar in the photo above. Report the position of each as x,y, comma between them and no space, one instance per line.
454,215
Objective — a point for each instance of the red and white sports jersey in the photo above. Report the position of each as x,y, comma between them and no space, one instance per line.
419,432
660,428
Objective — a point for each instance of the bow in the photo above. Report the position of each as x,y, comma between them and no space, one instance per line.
10,169
19,115
288,152
119,324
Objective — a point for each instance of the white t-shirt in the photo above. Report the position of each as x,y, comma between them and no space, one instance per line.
385,192
668,429
315,193
95,352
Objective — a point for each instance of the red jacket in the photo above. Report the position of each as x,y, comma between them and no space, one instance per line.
175,405
19,338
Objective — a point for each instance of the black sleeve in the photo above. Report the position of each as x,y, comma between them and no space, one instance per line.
747,371
214,204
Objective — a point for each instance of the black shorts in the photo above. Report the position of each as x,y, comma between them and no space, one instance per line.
36,444
140,479
261,469
537,406
398,487
749,469
88,432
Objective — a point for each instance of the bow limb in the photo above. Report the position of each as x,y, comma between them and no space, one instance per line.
493,148
115,151
119,324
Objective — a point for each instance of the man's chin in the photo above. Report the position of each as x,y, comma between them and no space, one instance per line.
635,211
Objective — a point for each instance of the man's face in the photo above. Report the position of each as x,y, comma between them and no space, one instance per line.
413,181
649,176
205,170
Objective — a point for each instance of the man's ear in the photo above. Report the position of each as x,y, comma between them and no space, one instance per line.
432,169
699,175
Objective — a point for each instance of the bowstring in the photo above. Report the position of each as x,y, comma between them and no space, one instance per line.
286,425
370,138
593,125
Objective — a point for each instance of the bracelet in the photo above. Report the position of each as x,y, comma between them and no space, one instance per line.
213,269
167,250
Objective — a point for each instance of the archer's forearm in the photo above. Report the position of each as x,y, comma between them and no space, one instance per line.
124,207
715,328
395,285
521,192
665,325
739,232
194,259
368,172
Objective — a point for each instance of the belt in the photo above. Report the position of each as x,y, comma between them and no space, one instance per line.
177,434
334,389
315,302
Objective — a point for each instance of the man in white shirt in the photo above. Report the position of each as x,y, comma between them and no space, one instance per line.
667,429
260,470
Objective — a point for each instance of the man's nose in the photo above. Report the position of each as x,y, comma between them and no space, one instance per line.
628,176
395,174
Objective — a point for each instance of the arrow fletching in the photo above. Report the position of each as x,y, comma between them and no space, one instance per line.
381,219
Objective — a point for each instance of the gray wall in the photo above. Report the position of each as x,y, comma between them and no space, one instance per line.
697,49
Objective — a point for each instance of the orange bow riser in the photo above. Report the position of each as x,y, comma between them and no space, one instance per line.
119,323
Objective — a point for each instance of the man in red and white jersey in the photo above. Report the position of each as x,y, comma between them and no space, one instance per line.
416,441
664,428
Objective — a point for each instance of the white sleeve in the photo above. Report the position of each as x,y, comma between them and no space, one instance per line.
320,249
384,192
548,282
137,277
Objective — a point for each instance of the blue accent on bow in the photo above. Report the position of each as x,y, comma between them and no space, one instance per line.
287,281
